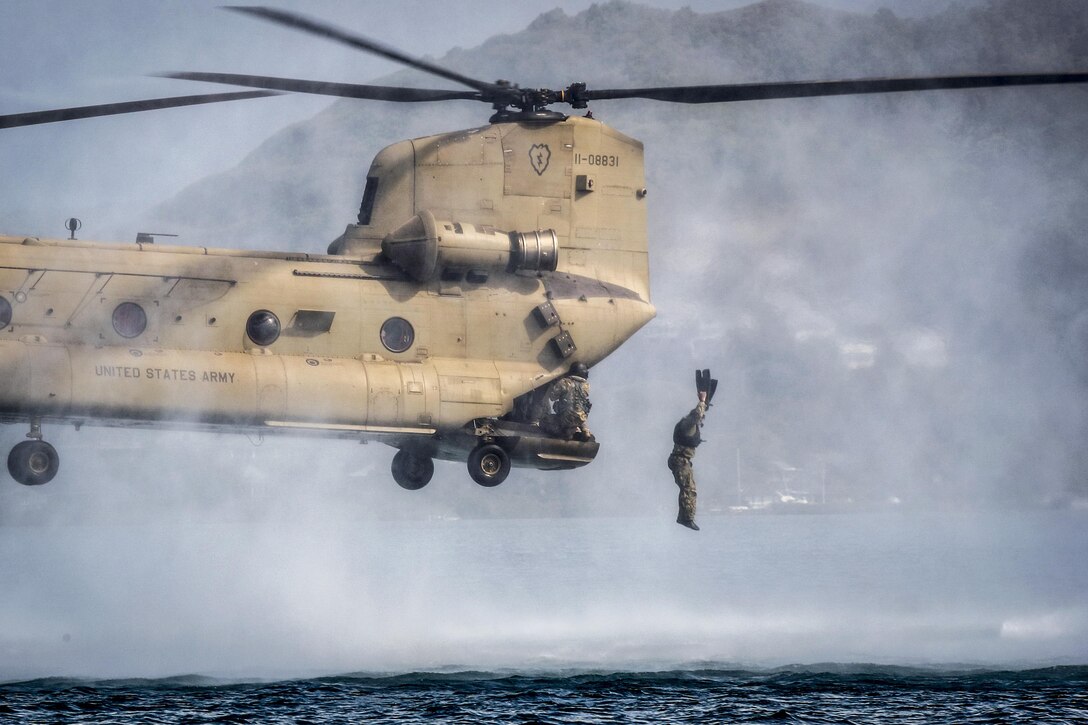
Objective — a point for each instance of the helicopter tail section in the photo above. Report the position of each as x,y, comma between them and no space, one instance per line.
608,237
574,180
585,180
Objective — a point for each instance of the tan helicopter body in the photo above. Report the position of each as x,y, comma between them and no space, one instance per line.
425,344
485,264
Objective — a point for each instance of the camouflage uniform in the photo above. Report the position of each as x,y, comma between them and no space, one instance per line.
686,438
568,398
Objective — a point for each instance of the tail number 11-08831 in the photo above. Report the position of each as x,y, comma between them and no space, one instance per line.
597,159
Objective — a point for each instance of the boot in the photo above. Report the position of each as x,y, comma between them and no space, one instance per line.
689,523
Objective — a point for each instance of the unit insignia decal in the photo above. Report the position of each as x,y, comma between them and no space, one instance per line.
539,156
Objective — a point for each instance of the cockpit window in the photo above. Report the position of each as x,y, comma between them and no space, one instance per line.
369,194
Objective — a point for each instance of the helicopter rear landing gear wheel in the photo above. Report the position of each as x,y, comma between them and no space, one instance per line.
488,464
33,462
412,471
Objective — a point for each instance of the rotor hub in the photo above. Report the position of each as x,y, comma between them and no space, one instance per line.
532,103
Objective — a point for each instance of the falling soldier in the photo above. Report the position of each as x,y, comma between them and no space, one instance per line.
567,405
686,438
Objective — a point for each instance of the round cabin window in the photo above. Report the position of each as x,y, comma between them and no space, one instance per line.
397,334
129,319
5,312
263,327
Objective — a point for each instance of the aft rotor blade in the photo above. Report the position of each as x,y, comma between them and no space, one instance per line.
345,90
806,89
15,120
316,27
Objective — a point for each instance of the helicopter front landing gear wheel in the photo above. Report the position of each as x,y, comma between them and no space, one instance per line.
488,464
412,471
33,462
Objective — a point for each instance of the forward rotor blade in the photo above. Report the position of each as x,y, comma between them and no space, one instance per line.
15,120
325,30
344,90
805,89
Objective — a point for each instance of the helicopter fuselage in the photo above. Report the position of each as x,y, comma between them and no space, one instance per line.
485,263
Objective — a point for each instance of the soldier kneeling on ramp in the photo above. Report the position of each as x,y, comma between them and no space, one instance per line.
566,406
686,438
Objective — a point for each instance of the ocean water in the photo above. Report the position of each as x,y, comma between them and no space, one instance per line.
808,695
890,616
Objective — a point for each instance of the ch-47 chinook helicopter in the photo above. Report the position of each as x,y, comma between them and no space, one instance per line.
483,265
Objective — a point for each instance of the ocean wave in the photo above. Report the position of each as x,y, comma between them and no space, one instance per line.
707,693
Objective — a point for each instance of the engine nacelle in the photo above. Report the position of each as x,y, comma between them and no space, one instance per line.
425,248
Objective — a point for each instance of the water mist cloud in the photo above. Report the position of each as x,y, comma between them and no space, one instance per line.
883,286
